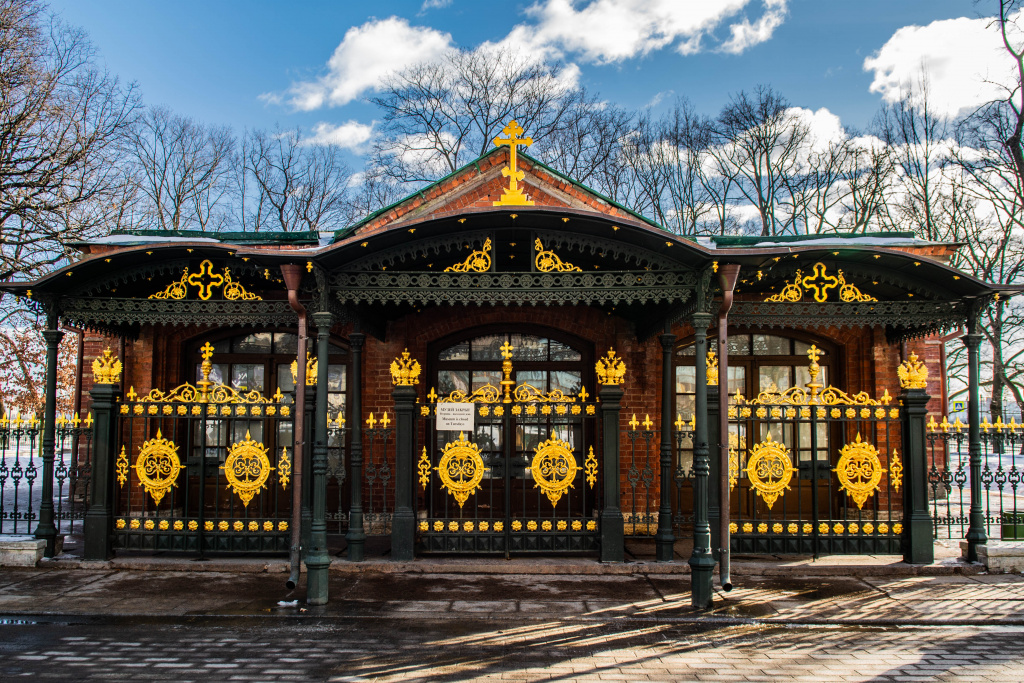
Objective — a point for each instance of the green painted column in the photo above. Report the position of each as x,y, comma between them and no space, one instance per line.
714,495
99,518
918,547
665,540
702,561
976,532
46,529
318,561
612,525
356,536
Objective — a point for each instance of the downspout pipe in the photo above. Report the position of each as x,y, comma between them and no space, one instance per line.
293,280
728,275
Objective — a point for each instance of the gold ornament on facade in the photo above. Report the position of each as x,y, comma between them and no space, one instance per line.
247,468
405,371
913,373
157,466
122,467
513,195
554,468
206,391
284,468
610,369
712,371
819,283
488,393
106,369
859,470
206,281
547,260
895,471
478,262
461,469
590,467
424,469
311,370
770,470
734,460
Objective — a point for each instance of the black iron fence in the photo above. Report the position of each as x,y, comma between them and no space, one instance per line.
22,470
1000,477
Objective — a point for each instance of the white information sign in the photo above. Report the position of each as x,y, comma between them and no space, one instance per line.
456,417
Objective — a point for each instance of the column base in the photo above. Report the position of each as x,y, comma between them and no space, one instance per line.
918,546
702,574
613,537
664,541
403,536
355,539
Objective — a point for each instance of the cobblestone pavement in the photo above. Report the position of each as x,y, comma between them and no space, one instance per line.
471,649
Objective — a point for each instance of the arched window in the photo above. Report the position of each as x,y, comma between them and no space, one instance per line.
261,361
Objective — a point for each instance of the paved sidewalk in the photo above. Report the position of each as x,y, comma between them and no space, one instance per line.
979,599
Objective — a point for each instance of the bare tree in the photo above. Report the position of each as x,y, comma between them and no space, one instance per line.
286,184
60,124
867,178
759,143
184,170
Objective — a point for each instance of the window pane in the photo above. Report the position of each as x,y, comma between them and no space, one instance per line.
218,373
538,378
258,342
560,351
801,348
483,377
239,428
487,348
684,406
286,342
566,380
335,404
285,382
774,375
336,378
686,379
771,345
247,377
222,346
452,380
737,379
528,347
457,352
739,344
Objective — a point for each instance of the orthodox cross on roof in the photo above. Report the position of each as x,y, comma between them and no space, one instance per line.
513,196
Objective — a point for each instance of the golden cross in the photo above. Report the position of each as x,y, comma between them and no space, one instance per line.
205,289
506,350
819,282
634,423
513,196
647,422
371,421
207,351
814,353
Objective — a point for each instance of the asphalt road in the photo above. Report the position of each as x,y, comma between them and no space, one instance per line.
276,649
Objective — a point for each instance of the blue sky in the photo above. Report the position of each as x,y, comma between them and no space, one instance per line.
241,63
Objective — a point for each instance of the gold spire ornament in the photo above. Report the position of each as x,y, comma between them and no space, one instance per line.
913,373
610,369
405,371
513,195
106,369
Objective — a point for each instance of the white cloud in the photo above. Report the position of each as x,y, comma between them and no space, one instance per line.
744,35
365,55
605,31
435,4
824,127
962,62
350,135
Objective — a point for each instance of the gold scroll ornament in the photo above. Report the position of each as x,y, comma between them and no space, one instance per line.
554,468
206,281
547,261
590,466
247,468
461,469
859,470
770,470
477,262
819,282
157,466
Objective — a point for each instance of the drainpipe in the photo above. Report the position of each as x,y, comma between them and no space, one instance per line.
293,279
728,275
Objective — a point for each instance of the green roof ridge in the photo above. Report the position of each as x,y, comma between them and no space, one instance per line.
229,236
746,240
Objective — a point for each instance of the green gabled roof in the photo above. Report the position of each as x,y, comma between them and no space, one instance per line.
346,231
863,237
278,237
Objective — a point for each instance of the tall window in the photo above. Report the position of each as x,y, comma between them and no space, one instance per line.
261,361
